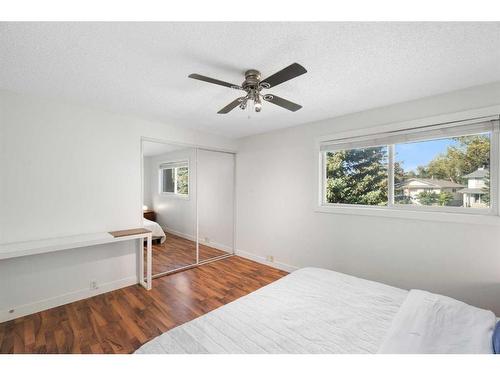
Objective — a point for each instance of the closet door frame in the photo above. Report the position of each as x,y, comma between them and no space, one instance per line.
196,147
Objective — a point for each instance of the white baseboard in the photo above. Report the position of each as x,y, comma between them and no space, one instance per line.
180,234
241,253
189,237
63,299
262,260
216,245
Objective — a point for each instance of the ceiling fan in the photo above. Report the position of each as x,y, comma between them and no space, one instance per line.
253,85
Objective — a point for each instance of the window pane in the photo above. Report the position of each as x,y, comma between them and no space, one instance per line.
182,181
357,176
168,180
444,172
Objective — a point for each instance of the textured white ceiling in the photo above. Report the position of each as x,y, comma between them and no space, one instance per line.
141,69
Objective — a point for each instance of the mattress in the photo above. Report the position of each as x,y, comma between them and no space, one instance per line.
157,231
311,310
315,310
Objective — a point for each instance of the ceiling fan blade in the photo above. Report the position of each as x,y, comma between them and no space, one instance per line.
283,75
228,108
214,81
282,102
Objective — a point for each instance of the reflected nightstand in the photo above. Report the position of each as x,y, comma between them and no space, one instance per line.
150,215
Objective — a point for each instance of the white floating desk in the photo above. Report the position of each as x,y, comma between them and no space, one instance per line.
50,245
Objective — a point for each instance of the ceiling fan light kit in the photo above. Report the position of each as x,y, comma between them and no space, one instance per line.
253,85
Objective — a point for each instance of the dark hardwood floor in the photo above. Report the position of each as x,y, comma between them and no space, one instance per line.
177,252
122,320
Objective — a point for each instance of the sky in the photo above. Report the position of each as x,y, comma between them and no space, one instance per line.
420,153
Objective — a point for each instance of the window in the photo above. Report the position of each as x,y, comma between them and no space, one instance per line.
445,167
357,176
440,172
174,178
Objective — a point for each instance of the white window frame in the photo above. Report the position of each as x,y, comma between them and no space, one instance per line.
174,165
455,214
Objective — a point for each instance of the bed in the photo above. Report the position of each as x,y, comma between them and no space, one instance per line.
157,231
314,310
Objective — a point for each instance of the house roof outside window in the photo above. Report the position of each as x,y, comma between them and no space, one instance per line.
431,182
479,173
473,191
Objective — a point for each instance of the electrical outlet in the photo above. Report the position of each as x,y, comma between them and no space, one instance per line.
93,285
270,258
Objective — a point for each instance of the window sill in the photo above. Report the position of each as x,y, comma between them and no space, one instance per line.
176,196
466,218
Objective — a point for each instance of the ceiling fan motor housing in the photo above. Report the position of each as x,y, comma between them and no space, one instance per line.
252,80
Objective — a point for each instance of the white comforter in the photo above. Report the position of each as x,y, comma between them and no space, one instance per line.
309,311
155,228
320,311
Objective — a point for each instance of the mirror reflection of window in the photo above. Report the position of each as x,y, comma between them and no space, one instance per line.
175,178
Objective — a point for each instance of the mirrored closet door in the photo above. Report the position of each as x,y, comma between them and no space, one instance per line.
188,204
215,186
169,204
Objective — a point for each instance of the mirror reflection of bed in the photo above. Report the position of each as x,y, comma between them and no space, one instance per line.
187,196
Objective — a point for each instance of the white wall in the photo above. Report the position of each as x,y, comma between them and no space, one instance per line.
276,175
68,170
146,188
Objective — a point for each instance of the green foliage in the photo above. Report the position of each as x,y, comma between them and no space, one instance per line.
401,199
428,198
444,198
399,173
486,196
471,153
182,181
357,176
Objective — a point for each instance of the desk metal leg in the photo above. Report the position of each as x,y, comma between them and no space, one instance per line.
146,280
141,263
